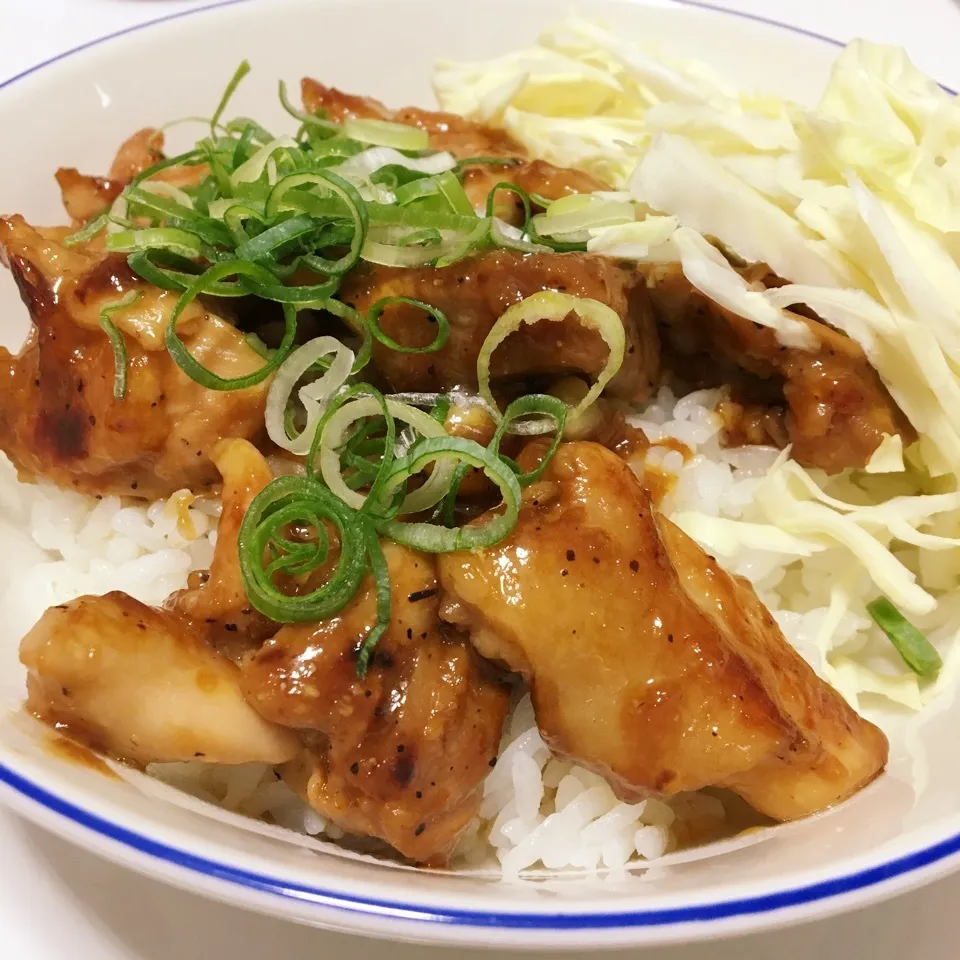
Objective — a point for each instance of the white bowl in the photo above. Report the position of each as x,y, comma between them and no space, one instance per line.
902,831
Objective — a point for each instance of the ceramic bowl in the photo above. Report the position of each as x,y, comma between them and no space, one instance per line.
902,831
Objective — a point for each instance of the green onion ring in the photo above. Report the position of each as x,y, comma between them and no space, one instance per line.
508,187
295,499
443,325
522,407
117,342
358,323
176,280
263,245
331,437
155,238
477,239
432,538
549,306
356,209
193,368
279,293
234,217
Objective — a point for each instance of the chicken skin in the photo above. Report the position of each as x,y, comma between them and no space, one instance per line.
140,685
474,294
646,662
837,408
401,754
59,418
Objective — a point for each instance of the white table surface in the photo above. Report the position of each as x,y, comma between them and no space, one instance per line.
57,902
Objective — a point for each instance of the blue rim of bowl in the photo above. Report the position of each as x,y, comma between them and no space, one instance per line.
390,909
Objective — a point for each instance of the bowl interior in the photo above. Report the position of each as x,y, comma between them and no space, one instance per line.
75,112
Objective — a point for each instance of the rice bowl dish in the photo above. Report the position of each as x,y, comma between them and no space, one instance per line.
729,498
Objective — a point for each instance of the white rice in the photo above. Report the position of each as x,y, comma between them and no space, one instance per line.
536,811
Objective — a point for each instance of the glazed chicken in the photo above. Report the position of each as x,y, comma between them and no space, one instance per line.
85,197
215,599
140,685
474,293
837,408
647,663
464,139
401,754
59,418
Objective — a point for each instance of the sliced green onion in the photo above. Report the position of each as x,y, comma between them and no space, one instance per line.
556,307
571,203
427,238
235,81
504,234
117,342
452,189
416,190
381,574
556,412
88,232
355,208
142,264
332,436
916,651
558,246
511,238
313,396
251,133
299,295
441,408
329,446
264,244
235,215
393,255
508,187
438,342
404,182
182,121
190,158
151,198
416,216
259,347
358,322
253,169
310,119
300,501
385,133
473,242
155,238
193,368
606,213
432,538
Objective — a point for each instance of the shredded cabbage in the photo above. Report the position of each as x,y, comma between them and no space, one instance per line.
855,202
